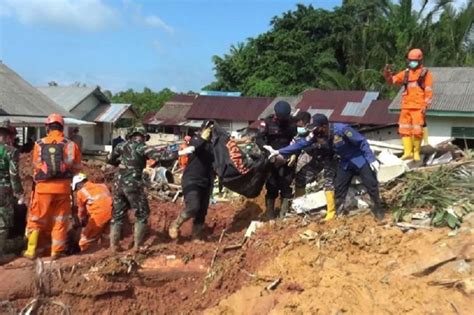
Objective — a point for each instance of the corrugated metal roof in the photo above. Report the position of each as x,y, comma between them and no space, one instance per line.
360,108
107,113
69,97
354,107
292,100
173,112
21,121
228,108
18,97
453,90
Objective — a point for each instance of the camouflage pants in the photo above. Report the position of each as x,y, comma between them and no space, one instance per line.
6,214
309,173
125,198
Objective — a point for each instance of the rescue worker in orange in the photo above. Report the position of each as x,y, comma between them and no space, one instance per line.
417,82
184,159
94,203
55,161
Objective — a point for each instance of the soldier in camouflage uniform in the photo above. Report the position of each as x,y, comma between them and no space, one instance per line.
10,185
128,190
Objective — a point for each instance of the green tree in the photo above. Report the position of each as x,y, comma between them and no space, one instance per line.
345,48
144,101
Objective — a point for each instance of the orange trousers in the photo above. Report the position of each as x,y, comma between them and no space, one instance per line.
411,123
92,232
49,214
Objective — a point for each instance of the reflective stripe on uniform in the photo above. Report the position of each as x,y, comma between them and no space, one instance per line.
406,126
69,153
417,127
58,242
428,88
60,218
413,84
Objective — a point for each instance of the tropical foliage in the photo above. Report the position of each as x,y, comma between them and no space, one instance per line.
145,101
345,48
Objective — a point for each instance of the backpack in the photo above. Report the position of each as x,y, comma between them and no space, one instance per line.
235,169
53,165
420,81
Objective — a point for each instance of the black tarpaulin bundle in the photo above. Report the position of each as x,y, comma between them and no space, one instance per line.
235,170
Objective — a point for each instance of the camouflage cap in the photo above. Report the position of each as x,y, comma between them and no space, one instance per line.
139,130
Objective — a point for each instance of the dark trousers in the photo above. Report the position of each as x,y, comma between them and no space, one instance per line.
280,181
367,177
196,199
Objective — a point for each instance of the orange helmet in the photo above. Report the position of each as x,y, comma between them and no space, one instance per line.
415,54
55,118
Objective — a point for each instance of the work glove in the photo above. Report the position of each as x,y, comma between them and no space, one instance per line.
273,152
20,198
187,150
292,160
375,166
206,133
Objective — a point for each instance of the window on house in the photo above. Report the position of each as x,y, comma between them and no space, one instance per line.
462,132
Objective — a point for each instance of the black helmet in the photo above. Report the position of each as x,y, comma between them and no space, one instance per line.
319,120
282,110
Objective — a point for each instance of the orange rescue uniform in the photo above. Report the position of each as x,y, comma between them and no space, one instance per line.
415,101
183,159
95,201
51,206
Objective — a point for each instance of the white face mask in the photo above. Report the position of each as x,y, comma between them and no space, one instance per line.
413,64
302,130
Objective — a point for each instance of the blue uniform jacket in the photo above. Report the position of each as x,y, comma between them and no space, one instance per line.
347,142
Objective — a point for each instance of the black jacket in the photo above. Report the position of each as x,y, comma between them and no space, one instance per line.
275,133
199,170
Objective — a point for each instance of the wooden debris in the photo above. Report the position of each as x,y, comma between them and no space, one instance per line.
273,285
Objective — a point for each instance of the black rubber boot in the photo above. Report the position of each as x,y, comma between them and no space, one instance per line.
115,234
139,234
270,209
285,207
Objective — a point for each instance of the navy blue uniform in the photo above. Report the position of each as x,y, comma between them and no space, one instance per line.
355,158
277,134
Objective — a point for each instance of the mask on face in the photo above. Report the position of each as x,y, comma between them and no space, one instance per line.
413,64
302,130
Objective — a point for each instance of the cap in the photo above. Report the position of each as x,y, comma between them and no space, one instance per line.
282,110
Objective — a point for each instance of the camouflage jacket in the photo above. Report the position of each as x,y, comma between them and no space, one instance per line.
9,168
131,159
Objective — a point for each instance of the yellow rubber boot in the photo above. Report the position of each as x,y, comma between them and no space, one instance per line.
30,252
407,148
331,205
416,149
425,136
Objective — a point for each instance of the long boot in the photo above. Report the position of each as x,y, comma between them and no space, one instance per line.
285,207
425,136
416,149
30,252
270,208
299,191
115,234
331,205
139,234
197,230
173,231
407,148
378,211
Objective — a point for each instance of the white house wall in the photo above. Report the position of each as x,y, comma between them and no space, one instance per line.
87,133
237,125
440,128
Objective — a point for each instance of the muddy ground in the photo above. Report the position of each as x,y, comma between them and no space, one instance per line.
349,266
